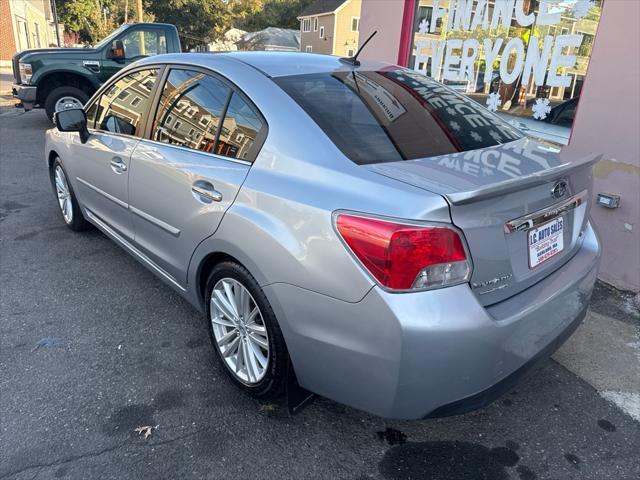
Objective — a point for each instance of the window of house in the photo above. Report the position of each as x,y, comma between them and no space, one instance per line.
36,35
315,24
115,115
350,52
355,24
207,94
306,24
308,49
23,34
322,32
136,101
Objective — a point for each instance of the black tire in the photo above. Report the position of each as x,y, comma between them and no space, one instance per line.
57,93
272,385
78,223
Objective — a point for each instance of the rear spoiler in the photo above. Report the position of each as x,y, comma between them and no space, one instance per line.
515,184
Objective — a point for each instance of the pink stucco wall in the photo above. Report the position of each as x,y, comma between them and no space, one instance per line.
386,17
608,121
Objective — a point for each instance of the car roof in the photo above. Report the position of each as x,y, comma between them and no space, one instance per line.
272,64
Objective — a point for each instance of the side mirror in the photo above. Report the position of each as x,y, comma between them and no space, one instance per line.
116,52
73,120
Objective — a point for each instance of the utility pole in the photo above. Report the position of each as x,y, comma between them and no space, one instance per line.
126,11
54,10
140,19
139,10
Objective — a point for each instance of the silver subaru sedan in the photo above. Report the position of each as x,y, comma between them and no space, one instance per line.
359,227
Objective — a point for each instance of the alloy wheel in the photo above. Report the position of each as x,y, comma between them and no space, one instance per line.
239,331
64,194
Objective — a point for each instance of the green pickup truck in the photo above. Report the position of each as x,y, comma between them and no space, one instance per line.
60,78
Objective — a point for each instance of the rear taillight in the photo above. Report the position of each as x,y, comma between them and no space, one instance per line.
406,257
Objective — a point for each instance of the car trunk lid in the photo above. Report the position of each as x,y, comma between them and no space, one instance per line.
521,206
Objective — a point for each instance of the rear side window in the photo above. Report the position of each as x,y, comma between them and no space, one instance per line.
201,112
239,130
392,115
122,106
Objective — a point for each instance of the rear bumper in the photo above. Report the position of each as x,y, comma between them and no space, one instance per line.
26,93
432,353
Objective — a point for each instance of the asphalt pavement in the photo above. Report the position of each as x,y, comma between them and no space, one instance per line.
93,346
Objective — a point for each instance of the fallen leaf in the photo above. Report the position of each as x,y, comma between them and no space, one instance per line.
267,407
147,429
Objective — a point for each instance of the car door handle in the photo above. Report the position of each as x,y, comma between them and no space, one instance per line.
118,165
204,192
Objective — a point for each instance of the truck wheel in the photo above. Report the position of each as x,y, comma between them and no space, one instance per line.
64,98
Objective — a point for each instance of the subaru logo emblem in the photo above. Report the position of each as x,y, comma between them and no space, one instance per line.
559,189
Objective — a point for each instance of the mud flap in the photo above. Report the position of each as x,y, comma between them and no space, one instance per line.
297,397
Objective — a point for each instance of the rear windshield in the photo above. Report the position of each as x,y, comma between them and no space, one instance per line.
396,114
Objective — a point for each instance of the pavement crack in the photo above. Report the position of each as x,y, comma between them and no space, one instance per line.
98,453
62,461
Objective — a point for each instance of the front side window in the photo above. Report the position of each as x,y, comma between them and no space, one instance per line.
205,96
116,113
144,43
395,114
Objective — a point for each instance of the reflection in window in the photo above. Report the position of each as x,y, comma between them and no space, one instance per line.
206,96
240,129
118,115
391,115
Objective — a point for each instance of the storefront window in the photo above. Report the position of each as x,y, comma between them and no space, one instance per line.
524,59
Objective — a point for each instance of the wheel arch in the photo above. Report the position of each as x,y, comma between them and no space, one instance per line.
206,265
61,78
51,158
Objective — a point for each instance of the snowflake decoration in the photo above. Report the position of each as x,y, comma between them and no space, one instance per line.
496,136
541,108
493,101
454,125
476,136
423,27
451,111
582,7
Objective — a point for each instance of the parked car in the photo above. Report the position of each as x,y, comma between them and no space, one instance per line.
58,78
556,127
403,249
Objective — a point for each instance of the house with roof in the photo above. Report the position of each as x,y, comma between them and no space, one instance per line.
330,27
